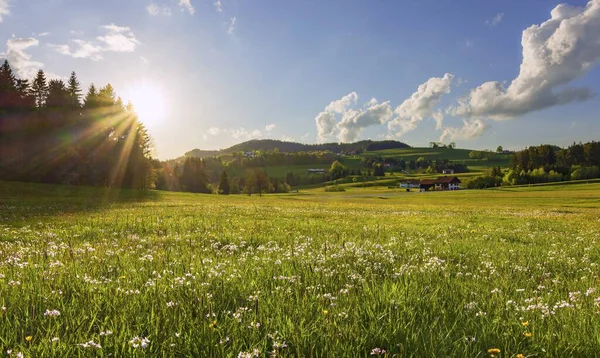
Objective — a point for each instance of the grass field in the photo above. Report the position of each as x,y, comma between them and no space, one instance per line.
89,272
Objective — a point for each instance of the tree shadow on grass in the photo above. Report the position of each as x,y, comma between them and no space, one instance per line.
20,202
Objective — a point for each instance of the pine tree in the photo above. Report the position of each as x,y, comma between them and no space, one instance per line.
224,183
74,90
91,98
8,88
39,89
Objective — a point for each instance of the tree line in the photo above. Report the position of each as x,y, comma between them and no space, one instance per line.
51,133
545,163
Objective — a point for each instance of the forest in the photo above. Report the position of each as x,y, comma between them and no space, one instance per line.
51,133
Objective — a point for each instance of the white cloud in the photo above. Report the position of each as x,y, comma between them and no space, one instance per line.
231,26
4,9
238,133
286,138
155,9
144,60
43,34
305,137
19,59
470,129
270,127
214,131
116,39
187,5
555,53
353,121
495,20
82,49
343,103
421,105
325,125
218,6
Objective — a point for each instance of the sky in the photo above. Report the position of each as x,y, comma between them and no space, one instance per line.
212,73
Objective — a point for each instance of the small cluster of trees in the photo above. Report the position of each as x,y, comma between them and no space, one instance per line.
451,145
193,176
420,165
482,155
49,134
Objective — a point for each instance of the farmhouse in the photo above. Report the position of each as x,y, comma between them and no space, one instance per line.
448,171
316,171
441,183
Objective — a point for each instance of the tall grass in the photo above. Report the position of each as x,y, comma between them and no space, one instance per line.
180,275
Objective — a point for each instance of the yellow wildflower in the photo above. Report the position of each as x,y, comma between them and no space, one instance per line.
212,324
525,323
528,334
520,356
325,312
28,338
494,351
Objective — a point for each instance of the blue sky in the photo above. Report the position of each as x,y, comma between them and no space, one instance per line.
308,71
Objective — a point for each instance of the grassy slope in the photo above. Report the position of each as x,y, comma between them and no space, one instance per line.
415,274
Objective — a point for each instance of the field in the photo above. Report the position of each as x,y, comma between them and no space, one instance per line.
90,272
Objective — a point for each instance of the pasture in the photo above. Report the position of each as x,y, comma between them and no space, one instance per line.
369,272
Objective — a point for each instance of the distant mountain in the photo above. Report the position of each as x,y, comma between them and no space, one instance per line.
292,147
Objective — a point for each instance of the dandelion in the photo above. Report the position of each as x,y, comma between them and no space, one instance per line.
528,334
28,338
494,351
325,312
525,323
52,313
520,356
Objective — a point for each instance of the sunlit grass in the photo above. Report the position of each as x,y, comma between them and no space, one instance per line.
314,274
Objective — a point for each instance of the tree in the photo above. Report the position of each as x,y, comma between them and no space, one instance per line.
224,183
193,177
74,90
500,149
39,89
337,170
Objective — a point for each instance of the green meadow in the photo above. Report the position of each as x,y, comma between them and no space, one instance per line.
88,272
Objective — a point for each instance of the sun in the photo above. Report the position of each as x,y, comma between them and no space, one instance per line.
149,102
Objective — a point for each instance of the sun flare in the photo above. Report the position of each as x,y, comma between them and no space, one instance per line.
149,102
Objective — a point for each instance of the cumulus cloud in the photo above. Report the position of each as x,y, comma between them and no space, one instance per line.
269,127
155,9
495,20
555,53
4,9
22,62
231,25
420,105
470,129
238,133
187,5
353,121
325,125
115,39
343,103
